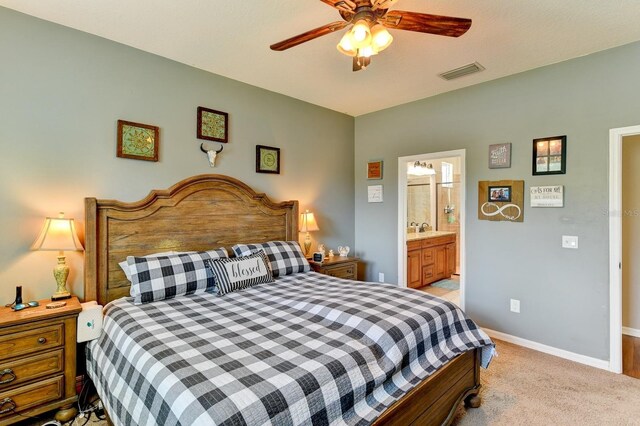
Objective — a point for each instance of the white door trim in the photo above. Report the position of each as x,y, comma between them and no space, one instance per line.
615,244
402,214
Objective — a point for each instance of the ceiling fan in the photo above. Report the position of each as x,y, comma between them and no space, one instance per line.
370,19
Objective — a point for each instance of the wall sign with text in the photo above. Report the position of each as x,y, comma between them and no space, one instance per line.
547,196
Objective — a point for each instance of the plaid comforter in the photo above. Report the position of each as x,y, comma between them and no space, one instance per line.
307,350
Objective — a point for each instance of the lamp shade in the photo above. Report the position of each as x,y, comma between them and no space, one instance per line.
58,234
308,222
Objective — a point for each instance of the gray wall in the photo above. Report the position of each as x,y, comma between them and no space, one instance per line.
563,293
631,232
61,94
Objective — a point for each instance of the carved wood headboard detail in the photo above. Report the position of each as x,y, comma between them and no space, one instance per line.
199,213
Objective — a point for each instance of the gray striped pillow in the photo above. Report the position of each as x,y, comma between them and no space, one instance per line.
240,272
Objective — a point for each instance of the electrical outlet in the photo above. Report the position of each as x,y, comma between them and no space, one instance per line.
515,306
381,277
570,242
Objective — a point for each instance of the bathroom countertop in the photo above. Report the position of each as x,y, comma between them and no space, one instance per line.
412,236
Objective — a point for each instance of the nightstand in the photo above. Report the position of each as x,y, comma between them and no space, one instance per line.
338,266
38,361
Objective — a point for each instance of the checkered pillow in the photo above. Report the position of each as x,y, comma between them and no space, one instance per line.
285,257
166,277
240,272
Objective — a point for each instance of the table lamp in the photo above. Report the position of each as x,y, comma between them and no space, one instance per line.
59,234
308,224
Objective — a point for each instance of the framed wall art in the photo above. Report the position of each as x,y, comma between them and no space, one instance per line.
547,196
267,159
374,170
138,141
550,156
501,200
213,125
500,156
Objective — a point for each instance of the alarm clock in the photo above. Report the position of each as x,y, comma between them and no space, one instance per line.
318,256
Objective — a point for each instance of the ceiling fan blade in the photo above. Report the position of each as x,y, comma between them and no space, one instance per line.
309,35
360,63
382,4
346,5
425,23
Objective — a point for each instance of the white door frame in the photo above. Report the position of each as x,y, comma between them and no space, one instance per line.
402,214
615,244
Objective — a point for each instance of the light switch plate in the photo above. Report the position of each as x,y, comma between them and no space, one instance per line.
515,306
569,241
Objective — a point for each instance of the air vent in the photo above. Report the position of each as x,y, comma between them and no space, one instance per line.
462,71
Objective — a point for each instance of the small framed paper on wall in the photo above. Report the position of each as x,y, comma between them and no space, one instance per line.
374,170
500,156
213,125
550,156
267,159
138,141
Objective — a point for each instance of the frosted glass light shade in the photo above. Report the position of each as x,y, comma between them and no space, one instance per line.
361,34
346,45
308,222
380,37
58,234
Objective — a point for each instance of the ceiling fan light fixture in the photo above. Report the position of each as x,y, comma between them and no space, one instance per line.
346,46
380,37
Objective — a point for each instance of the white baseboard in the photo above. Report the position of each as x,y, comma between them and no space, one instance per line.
631,331
571,356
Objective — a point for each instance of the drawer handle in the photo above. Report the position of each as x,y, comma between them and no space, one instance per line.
42,340
9,409
7,372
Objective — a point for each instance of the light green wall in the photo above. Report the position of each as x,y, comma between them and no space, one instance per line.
563,293
61,94
631,232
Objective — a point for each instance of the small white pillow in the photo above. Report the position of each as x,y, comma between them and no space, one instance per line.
125,266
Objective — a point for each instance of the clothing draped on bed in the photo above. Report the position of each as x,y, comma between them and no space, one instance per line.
308,349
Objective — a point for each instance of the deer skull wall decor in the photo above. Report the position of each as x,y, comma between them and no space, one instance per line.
211,154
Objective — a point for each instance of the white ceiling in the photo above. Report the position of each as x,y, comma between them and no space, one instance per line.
232,38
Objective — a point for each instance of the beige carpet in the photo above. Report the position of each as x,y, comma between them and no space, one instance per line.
525,387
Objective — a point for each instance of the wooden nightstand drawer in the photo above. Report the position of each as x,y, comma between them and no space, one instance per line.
347,272
25,341
28,396
25,369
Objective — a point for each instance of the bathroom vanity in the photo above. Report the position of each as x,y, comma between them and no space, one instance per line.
431,256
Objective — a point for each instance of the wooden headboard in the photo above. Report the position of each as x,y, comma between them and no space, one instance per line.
199,213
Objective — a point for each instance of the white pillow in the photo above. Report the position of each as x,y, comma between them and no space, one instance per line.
125,266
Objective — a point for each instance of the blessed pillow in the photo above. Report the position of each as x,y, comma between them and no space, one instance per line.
125,266
240,272
165,277
285,257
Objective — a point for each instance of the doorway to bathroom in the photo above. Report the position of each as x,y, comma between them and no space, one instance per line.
431,194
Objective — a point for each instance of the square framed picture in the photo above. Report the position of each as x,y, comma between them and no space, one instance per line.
138,141
499,194
374,170
500,156
550,156
267,159
213,125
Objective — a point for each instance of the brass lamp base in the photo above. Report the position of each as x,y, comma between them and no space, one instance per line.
61,272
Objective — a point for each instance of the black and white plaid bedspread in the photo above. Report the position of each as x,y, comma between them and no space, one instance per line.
307,350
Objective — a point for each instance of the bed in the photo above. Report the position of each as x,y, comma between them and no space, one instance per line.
308,349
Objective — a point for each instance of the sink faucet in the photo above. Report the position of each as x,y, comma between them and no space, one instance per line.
424,227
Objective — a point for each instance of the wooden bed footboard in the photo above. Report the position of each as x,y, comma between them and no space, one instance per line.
435,400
